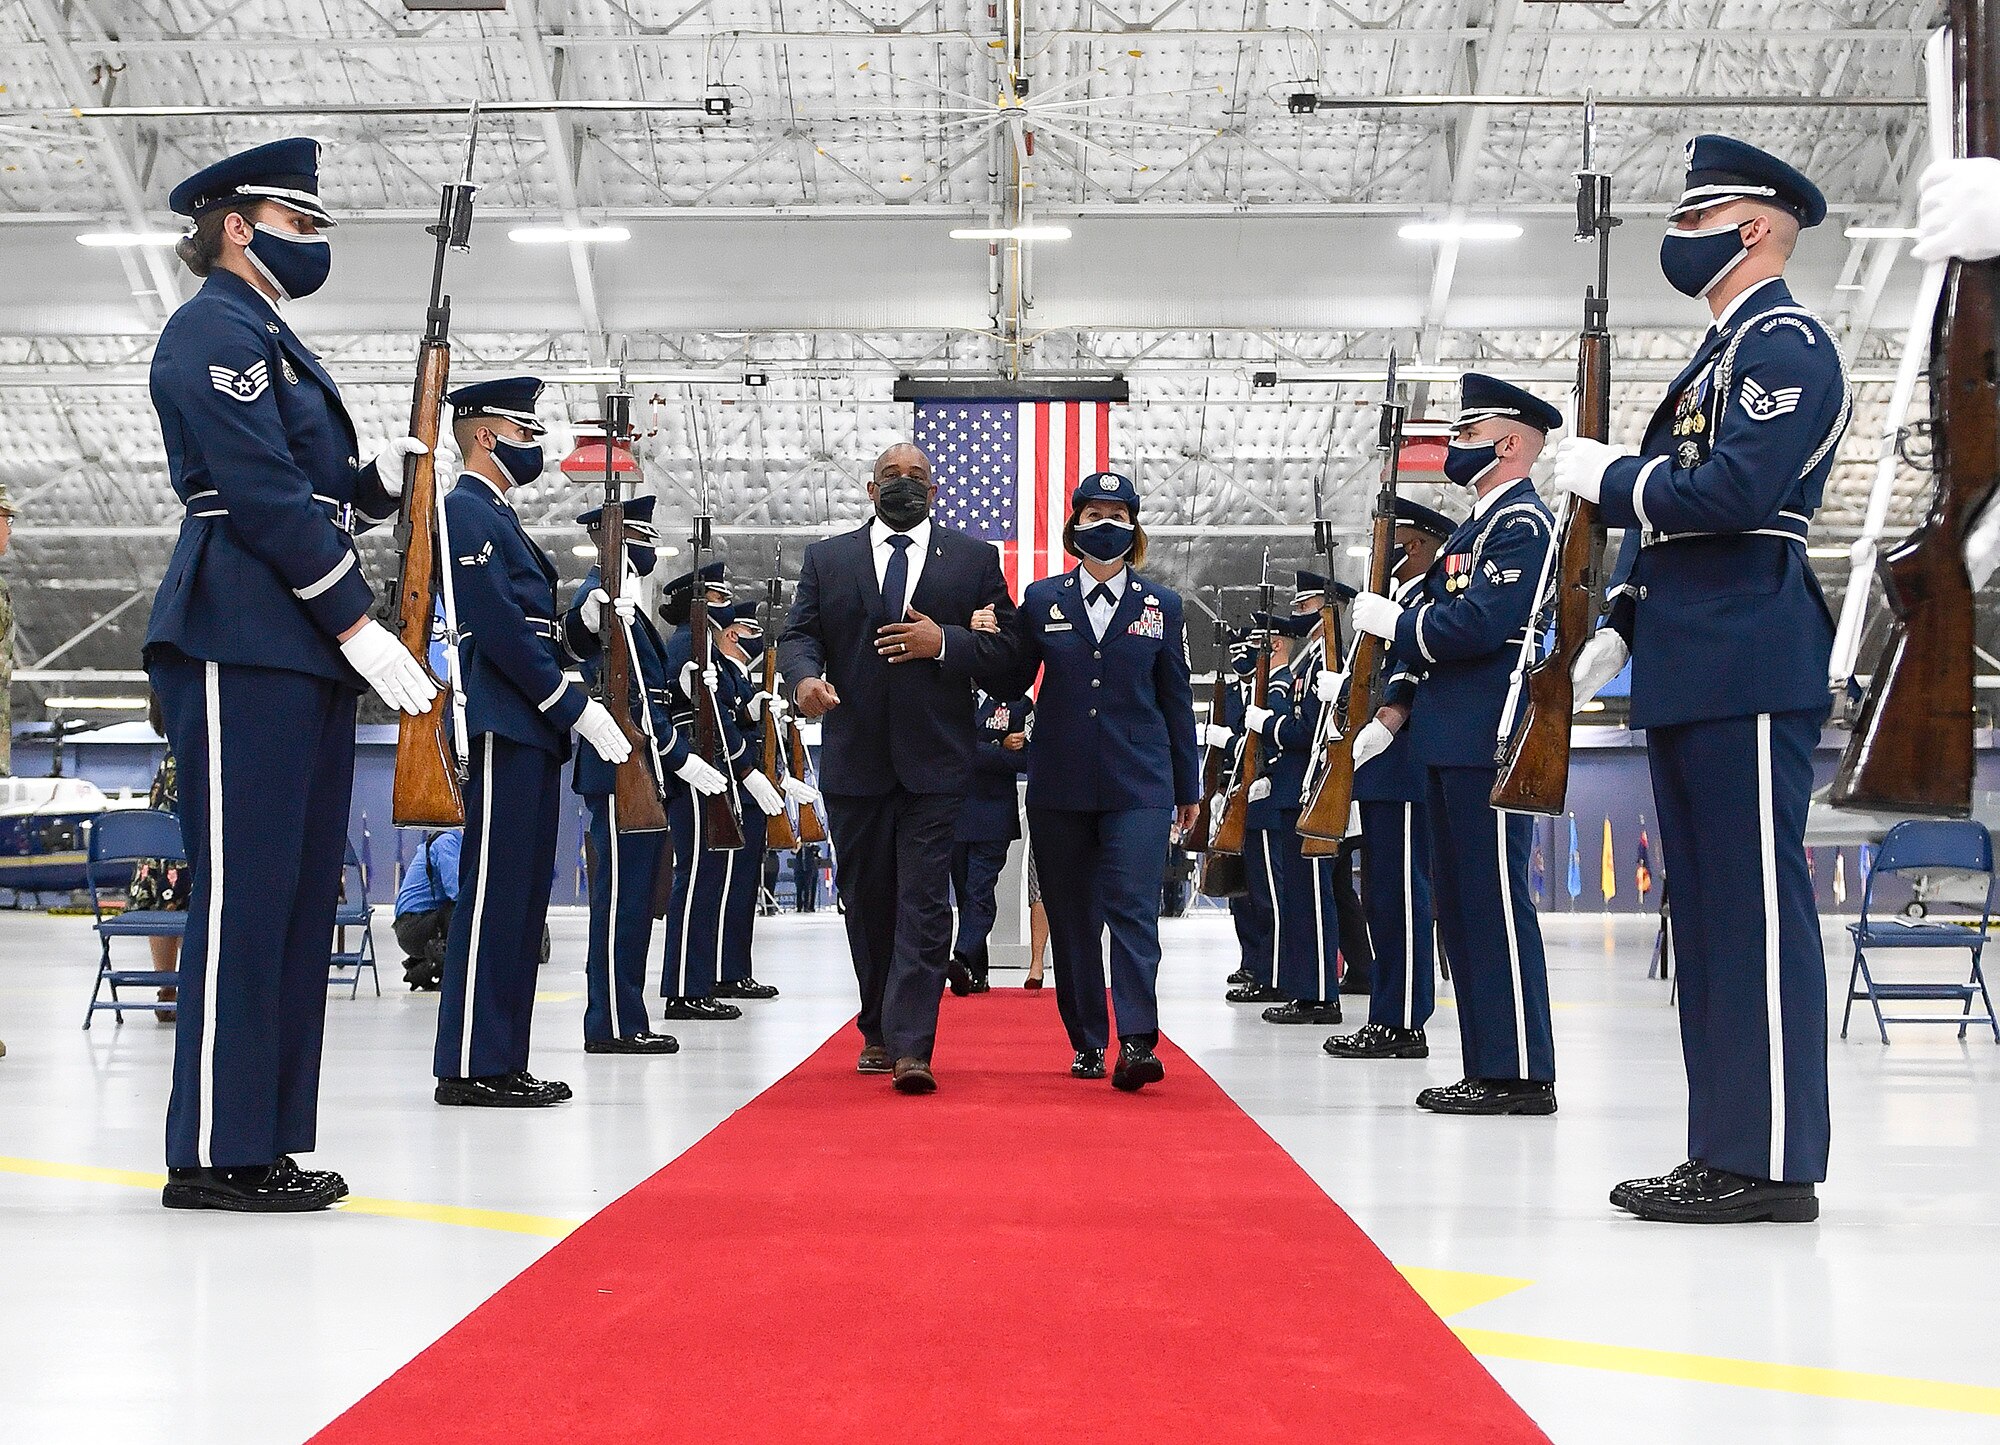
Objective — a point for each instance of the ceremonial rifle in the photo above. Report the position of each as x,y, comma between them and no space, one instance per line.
430,752
1912,748
1229,832
1533,758
1214,761
636,786
721,829
778,830
1323,820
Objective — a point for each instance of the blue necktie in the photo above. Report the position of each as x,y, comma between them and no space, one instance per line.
1100,593
896,579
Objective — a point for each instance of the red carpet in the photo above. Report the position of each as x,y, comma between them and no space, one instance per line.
1020,1258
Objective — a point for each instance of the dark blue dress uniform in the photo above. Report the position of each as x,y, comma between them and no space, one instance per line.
1461,642
623,863
743,680
517,657
1112,755
703,876
1730,640
989,820
1250,911
258,702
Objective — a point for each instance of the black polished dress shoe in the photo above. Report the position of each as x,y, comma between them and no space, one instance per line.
1033,981
1621,1194
1256,993
1379,1041
1088,1064
980,983
958,974
562,1091
1702,1195
263,1189
286,1164
1490,1096
698,1008
501,1091
1304,1011
873,1060
745,988
643,1042
1240,978
1137,1066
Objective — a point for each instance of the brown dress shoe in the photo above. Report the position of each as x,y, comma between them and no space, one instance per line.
913,1076
874,1060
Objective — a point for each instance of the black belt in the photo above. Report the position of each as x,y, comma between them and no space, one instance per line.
208,503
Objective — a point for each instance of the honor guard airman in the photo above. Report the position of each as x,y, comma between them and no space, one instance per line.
522,699
1729,640
624,864
1458,638
259,645
1336,882
1389,791
989,820
1255,924
741,645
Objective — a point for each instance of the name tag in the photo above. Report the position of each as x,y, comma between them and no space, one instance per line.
1057,627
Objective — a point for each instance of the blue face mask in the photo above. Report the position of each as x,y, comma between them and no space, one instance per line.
1694,261
752,644
1106,540
642,559
521,461
1466,464
296,265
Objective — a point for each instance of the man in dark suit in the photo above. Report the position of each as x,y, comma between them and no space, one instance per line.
880,647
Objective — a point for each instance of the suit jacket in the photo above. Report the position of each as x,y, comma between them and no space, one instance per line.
262,454
905,724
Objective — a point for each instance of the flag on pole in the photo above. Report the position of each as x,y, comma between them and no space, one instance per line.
1538,870
1005,469
1643,874
1839,877
1575,864
1608,879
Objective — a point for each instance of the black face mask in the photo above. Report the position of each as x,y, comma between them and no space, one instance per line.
902,502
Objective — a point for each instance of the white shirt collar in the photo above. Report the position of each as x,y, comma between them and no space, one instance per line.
1089,584
491,486
1487,503
1729,311
879,533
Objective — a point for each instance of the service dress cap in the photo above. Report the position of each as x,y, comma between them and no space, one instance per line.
1721,168
280,170
638,520
1425,519
511,398
1481,397
1105,487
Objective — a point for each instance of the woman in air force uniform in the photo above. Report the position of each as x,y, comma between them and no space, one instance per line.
259,645
1112,766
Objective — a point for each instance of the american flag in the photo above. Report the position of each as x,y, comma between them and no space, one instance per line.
1005,470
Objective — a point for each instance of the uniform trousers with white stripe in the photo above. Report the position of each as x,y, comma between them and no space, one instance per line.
702,878
1264,876
506,866
1308,918
1732,796
1396,892
266,760
1256,927
1479,879
746,887
622,869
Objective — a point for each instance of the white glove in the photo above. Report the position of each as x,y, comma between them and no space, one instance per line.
698,775
1959,214
386,665
763,794
1260,790
1257,718
1372,612
1371,742
1578,465
1600,659
388,463
1328,683
592,611
777,705
711,679
1215,735
799,792
596,726
1982,546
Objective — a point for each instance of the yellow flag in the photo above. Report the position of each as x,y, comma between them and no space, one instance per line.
1610,868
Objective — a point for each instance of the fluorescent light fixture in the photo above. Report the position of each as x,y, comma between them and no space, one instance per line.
562,235
1594,705
583,549
108,704
1459,231
1010,233
1359,551
1849,286
1879,233
128,239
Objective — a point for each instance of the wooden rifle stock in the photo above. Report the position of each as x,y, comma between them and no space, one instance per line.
1232,829
721,829
1911,751
1324,817
425,791
811,829
634,784
1215,761
778,830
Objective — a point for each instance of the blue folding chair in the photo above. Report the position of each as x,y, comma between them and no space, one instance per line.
1924,846
124,838
354,911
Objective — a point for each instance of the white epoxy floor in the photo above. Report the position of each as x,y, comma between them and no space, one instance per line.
121,1321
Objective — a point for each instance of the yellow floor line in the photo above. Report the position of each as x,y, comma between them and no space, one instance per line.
1446,1291
455,1214
1750,1374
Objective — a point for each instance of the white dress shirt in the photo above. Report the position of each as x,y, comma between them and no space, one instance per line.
879,533
1100,611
